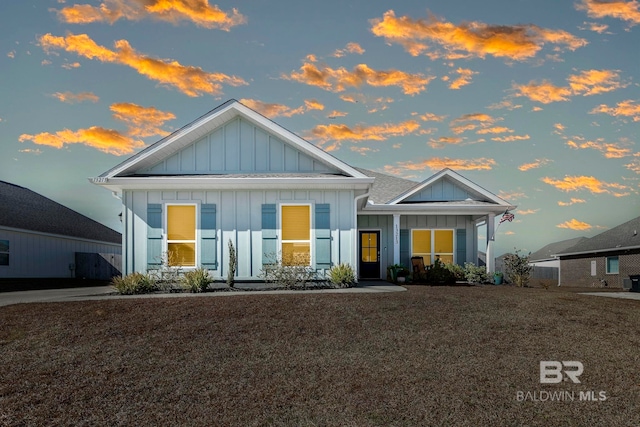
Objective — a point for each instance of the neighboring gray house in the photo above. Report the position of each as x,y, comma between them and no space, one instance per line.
546,256
40,238
611,256
234,175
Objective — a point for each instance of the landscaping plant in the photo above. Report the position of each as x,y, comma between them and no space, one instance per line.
196,280
231,275
134,283
518,268
475,274
290,275
342,276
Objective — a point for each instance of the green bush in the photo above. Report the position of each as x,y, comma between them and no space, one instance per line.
342,276
475,274
439,274
196,280
518,268
456,270
134,283
294,275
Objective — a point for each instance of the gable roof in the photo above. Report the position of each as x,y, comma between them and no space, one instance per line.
624,236
27,210
386,187
549,251
209,122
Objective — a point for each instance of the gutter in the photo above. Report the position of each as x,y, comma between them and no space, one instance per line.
596,251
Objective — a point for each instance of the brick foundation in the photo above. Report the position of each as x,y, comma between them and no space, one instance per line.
575,271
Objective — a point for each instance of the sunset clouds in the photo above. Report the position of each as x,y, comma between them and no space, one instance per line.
470,39
587,183
586,83
538,163
331,136
338,79
574,224
628,108
272,110
610,150
628,11
438,163
192,81
74,98
141,121
174,11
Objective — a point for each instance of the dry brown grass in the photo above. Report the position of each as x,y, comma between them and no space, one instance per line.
429,356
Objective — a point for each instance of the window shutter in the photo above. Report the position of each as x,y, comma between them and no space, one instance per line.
461,246
208,234
154,236
323,236
269,238
405,258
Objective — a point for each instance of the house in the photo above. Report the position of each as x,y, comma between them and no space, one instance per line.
611,256
234,175
546,256
40,238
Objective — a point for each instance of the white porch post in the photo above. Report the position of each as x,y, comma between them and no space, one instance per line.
491,262
396,238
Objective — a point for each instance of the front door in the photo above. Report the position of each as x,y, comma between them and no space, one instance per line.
369,254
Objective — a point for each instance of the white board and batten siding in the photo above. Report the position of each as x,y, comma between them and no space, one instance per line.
42,255
238,217
238,147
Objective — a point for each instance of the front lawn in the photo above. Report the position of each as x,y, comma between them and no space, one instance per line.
430,356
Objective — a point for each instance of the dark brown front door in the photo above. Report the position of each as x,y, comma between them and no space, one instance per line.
369,254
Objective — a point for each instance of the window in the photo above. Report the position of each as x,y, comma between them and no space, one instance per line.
432,244
181,235
295,222
4,252
612,265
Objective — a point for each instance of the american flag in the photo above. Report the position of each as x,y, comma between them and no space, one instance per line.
507,217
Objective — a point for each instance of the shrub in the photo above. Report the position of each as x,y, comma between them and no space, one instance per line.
168,274
290,275
196,280
134,283
475,274
518,268
231,275
342,276
456,270
439,274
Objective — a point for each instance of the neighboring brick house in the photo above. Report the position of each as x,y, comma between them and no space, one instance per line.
611,257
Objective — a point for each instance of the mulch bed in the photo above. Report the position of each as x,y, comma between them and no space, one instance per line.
429,356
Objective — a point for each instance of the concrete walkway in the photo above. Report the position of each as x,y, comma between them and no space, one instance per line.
622,295
107,292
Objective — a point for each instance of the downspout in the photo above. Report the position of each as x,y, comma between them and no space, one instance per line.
355,233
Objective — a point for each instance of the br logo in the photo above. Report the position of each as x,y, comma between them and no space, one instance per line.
552,372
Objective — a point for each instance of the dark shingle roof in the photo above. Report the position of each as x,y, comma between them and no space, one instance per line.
24,209
623,236
548,252
386,187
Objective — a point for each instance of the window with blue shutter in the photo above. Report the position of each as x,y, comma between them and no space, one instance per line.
323,236
269,237
405,255
461,246
154,236
208,235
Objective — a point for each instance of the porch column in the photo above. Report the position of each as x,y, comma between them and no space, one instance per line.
396,238
491,237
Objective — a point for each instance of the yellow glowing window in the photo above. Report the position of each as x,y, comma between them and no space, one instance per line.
421,245
432,244
295,222
369,247
443,240
181,235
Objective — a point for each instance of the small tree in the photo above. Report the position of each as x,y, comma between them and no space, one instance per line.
518,268
231,275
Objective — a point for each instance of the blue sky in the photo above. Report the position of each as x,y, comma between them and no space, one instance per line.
538,102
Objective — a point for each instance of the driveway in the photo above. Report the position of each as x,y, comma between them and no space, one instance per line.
106,292
622,295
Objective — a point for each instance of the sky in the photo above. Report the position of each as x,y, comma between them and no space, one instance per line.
536,101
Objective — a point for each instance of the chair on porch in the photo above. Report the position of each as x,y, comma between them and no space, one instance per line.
418,268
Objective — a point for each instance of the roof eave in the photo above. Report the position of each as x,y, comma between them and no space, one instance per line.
434,209
597,251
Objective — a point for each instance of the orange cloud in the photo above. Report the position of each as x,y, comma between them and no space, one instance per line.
364,150
107,140
574,224
275,110
538,163
444,141
349,48
338,133
72,98
142,121
437,163
634,166
197,11
610,150
477,117
589,183
511,138
464,78
572,201
506,104
627,108
335,114
596,27
336,80
586,83
528,211
430,117
463,128
625,10
192,81
70,65
472,39
494,129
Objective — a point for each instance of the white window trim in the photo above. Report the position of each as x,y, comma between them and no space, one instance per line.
165,235
312,233
433,241
606,264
